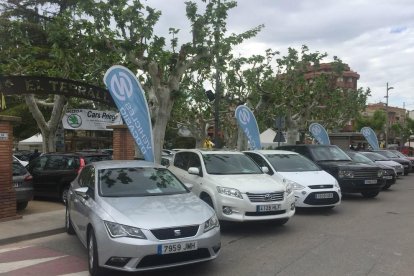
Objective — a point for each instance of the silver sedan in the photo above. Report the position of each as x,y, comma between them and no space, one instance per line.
136,215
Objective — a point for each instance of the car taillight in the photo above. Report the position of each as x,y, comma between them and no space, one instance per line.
28,178
81,165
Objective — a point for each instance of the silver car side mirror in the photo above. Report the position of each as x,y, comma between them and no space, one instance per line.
82,192
265,169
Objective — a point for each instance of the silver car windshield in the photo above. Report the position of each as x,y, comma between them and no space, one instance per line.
131,182
230,164
291,163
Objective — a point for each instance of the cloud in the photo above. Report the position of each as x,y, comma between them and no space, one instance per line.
376,38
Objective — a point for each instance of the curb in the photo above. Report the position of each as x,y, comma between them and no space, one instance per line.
32,236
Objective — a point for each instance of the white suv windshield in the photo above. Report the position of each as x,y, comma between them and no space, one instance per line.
230,164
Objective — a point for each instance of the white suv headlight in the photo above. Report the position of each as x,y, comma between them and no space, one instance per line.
290,186
211,223
116,230
229,191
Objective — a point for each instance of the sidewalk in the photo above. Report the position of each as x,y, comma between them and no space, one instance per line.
35,223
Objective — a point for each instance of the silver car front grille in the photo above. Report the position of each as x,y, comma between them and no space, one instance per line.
268,197
175,232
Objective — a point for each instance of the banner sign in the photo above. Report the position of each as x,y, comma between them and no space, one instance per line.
371,137
320,134
247,121
87,119
17,85
130,99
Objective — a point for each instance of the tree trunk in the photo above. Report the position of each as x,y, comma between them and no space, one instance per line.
241,140
48,129
292,135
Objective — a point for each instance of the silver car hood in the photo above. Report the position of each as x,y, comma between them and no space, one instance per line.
153,212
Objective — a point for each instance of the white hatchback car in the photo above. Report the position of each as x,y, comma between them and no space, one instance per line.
313,187
234,185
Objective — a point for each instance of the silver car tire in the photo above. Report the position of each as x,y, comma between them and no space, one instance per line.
68,224
64,195
93,261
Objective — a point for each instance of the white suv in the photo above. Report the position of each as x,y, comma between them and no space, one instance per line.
234,185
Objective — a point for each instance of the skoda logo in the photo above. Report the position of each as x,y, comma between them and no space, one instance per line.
267,197
177,233
74,120
121,86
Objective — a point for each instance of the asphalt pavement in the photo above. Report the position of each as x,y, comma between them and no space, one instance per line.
39,219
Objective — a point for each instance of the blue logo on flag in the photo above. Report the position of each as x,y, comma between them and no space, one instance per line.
129,97
320,134
247,122
371,137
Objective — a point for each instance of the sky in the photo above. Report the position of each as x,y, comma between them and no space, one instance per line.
374,37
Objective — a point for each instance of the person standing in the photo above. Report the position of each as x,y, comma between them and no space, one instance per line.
34,155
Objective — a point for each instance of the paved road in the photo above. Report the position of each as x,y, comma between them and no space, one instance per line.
360,237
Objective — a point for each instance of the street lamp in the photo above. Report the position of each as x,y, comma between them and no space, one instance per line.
387,125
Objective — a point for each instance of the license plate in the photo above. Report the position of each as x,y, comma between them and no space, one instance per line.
172,248
268,208
373,181
388,177
325,195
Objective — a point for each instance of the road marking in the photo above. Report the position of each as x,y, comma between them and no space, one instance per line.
12,249
7,267
83,273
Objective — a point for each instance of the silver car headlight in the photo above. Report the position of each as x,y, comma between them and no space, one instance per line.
345,173
211,223
229,191
116,230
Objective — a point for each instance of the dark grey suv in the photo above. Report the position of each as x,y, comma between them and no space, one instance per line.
352,177
53,172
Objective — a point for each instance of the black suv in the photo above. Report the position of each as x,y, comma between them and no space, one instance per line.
53,172
352,177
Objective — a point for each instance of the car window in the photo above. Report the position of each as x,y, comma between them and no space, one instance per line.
388,154
96,158
130,182
357,157
87,177
38,164
181,160
291,163
221,163
18,169
375,156
259,161
330,153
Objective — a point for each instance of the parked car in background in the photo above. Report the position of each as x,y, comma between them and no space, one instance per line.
352,177
401,155
313,187
24,163
234,185
136,215
380,159
392,156
23,186
389,173
53,172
